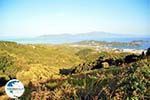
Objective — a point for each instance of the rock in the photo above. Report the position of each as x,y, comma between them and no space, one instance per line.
3,81
66,71
110,61
119,62
105,64
148,52
131,58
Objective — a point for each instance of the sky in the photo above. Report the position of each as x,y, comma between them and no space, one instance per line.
29,18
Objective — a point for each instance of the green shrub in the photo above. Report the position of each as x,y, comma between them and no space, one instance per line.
51,85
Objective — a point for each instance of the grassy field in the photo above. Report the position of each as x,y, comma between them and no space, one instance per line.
89,74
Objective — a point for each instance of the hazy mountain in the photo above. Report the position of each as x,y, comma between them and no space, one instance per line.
69,38
96,35
87,35
66,37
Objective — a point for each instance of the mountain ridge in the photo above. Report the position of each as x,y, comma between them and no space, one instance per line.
99,33
94,33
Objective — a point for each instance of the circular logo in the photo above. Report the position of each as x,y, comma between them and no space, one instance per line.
14,88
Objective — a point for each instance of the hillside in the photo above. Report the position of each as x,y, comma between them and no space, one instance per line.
22,61
61,72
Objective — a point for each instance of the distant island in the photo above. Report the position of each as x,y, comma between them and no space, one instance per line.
95,35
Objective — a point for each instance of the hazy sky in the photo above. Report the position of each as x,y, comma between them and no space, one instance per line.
38,17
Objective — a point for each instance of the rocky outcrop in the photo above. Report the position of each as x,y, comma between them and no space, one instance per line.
148,52
3,81
131,58
104,63
66,71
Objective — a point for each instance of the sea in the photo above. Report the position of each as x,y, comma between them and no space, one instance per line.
144,44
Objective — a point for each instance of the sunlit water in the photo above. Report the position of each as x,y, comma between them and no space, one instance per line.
56,40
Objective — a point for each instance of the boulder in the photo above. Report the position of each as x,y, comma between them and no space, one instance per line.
66,71
131,58
105,64
148,52
3,81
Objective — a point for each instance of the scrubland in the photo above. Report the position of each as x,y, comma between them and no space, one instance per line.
63,72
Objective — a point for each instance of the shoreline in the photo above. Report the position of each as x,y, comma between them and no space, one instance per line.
114,49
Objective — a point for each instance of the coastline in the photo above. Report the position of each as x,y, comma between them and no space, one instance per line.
108,49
